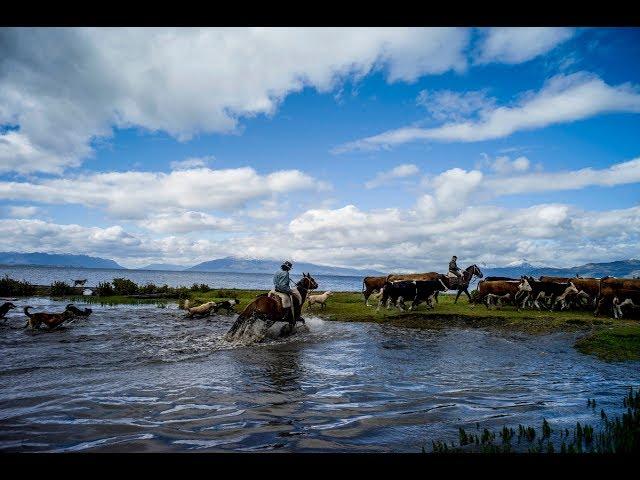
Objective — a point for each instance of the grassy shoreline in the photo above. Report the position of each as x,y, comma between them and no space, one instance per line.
604,337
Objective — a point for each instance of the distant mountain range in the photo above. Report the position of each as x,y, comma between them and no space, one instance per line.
620,268
56,260
231,264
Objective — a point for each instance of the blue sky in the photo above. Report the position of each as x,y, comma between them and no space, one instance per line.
383,148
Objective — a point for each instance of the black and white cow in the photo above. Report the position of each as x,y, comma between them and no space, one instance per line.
395,293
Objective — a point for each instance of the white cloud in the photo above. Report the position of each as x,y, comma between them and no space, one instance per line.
617,174
187,221
22,211
191,163
562,99
67,87
519,44
390,239
453,187
135,194
503,165
447,105
401,171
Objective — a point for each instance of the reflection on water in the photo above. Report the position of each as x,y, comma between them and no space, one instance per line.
141,378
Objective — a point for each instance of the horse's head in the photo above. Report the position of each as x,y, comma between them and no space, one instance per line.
474,270
307,282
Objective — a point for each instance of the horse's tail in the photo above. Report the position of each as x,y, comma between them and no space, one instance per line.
26,311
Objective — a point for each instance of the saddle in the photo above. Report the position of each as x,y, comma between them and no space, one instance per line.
285,300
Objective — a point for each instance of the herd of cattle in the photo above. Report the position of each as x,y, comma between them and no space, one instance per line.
618,297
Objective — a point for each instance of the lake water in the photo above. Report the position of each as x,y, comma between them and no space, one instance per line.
254,281
143,378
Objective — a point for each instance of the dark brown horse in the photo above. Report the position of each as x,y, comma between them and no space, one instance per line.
268,309
462,286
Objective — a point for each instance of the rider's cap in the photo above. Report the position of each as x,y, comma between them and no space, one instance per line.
287,264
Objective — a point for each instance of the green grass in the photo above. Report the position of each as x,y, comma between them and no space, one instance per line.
617,343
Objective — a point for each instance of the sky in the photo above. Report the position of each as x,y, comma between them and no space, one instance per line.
384,148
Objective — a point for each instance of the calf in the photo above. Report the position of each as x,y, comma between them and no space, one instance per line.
496,300
320,299
51,320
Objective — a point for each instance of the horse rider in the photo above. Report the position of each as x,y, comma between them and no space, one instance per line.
454,269
281,283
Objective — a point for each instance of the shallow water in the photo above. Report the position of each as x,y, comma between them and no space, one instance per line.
142,378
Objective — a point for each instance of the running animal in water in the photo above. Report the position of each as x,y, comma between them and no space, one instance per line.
228,305
76,311
4,309
51,320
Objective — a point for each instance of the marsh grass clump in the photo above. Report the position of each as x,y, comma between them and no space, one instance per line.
61,289
104,289
619,435
124,286
11,287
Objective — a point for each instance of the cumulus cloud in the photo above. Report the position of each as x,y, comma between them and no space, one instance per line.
401,171
38,235
563,98
390,239
187,221
66,87
135,194
519,44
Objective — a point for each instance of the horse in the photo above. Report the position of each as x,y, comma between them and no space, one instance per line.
268,309
467,275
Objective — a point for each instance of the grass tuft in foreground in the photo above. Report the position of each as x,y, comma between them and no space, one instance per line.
617,435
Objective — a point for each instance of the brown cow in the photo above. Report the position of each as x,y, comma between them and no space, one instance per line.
625,297
498,288
610,287
372,285
588,285
413,276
